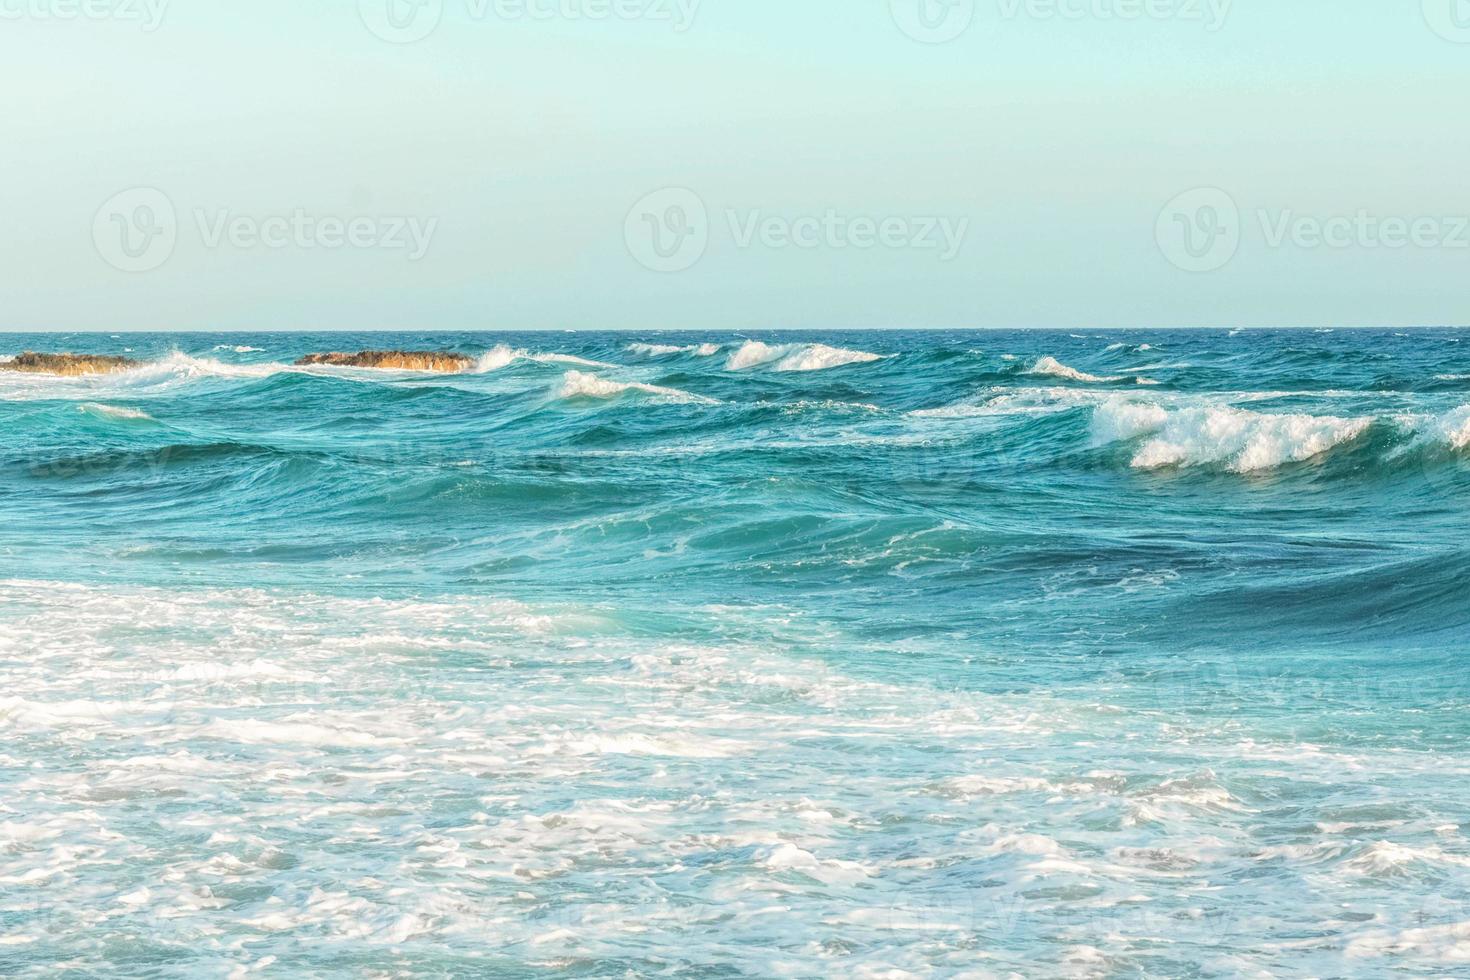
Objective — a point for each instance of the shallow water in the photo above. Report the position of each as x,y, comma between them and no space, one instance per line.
867,654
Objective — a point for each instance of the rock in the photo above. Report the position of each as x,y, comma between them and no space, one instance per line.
68,364
397,360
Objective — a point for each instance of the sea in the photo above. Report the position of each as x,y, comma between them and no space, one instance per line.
867,654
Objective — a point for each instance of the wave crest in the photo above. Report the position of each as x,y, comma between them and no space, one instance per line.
503,356
579,384
1241,440
795,357
663,350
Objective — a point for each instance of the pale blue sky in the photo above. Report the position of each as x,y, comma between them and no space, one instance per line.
518,146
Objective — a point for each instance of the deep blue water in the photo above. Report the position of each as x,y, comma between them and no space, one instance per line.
943,653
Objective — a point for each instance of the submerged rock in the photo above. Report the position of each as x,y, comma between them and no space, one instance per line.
68,364
400,360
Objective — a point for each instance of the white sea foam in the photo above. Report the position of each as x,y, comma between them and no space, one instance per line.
1241,440
503,356
1052,367
157,376
663,350
240,348
114,412
1453,428
579,384
795,357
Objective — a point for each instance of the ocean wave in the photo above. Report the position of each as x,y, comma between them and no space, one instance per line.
503,356
164,373
1051,367
114,412
579,384
1453,428
795,357
240,348
1241,440
663,350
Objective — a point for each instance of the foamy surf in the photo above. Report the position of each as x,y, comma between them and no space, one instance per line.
578,384
1051,367
1453,428
114,412
665,350
503,356
1240,440
795,357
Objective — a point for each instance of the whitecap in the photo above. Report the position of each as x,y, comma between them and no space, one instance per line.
114,412
1453,428
1242,440
1052,367
503,356
795,357
663,350
579,384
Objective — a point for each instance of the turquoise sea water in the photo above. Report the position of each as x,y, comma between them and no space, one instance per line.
872,655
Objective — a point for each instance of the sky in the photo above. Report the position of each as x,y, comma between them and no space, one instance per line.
732,164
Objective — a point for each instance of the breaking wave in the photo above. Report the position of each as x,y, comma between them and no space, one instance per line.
795,357
1240,440
578,384
664,350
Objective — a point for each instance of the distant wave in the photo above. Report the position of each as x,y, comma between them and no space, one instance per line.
504,356
578,384
795,357
663,350
1051,367
1240,440
114,412
240,349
